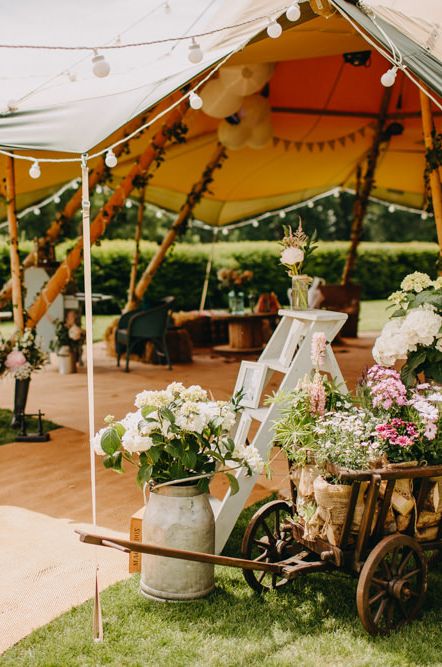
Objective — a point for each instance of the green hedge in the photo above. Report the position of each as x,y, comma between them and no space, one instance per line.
380,268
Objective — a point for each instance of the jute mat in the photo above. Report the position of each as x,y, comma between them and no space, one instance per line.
46,570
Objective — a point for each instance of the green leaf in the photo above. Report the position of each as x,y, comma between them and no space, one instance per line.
154,454
234,486
168,414
110,441
144,474
189,459
411,368
120,429
108,462
118,462
147,410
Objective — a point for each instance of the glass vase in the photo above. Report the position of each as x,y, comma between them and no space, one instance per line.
236,303
21,391
299,292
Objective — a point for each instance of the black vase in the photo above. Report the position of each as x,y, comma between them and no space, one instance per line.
20,398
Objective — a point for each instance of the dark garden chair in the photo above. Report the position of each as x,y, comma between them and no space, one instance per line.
140,326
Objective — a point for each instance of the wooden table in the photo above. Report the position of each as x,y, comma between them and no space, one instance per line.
246,334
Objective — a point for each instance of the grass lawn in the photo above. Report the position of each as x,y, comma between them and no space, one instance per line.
8,434
311,622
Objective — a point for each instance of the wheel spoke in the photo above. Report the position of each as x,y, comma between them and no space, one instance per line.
376,597
405,561
378,615
261,557
379,582
386,568
411,574
269,533
393,560
277,524
261,576
274,579
261,543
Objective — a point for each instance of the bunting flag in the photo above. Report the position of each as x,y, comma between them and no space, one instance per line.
320,145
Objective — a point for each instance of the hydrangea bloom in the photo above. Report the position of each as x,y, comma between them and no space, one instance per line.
416,282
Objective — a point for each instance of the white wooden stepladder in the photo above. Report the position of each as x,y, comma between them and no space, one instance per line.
287,352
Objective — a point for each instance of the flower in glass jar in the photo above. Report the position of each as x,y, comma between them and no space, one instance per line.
14,360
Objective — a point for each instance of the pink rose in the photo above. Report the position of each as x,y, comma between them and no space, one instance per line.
15,359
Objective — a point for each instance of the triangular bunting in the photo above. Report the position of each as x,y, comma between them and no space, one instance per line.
298,145
286,144
309,145
342,141
362,131
275,141
332,143
321,145
352,137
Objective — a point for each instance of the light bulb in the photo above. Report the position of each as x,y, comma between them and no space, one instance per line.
129,204
158,215
98,189
37,211
110,159
225,232
293,13
100,66
34,171
12,106
274,30
336,194
255,223
389,77
195,100
282,214
424,215
75,185
310,204
57,200
391,208
195,54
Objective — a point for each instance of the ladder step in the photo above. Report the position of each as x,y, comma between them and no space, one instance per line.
275,364
258,413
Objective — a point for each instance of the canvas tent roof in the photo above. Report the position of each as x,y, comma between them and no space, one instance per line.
322,116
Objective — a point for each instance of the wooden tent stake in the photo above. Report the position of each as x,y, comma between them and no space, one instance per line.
72,206
186,210
361,201
17,296
136,257
73,259
436,190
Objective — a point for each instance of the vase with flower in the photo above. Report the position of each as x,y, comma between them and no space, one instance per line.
234,280
296,248
69,339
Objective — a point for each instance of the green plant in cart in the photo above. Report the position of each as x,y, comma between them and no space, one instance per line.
177,434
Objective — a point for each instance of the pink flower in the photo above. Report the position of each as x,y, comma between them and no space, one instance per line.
316,394
318,348
15,359
292,256
403,441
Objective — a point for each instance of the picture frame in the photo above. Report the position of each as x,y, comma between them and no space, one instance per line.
251,378
242,429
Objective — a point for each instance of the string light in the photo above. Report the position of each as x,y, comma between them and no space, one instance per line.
391,208
225,231
255,223
274,29
389,77
310,204
336,193
424,215
293,13
195,100
37,211
158,215
75,185
282,214
34,171
57,199
100,66
110,159
195,54
129,203
99,189
12,106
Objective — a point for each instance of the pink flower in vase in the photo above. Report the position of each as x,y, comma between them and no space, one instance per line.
15,359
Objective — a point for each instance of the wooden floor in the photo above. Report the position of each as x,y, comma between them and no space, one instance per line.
54,478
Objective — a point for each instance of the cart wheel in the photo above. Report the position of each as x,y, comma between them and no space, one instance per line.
268,539
392,584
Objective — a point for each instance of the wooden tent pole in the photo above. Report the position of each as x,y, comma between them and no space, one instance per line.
136,257
72,206
73,259
208,269
436,190
186,210
17,296
362,197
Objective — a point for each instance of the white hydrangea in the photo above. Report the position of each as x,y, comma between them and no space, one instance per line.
392,344
155,398
191,418
416,282
399,299
437,284
250,455
421,326
137,439
175,389
193,393
219,413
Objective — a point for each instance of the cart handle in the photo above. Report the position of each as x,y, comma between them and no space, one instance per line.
386,474
127,546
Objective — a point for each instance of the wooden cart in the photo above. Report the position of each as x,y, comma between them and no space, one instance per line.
391,569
